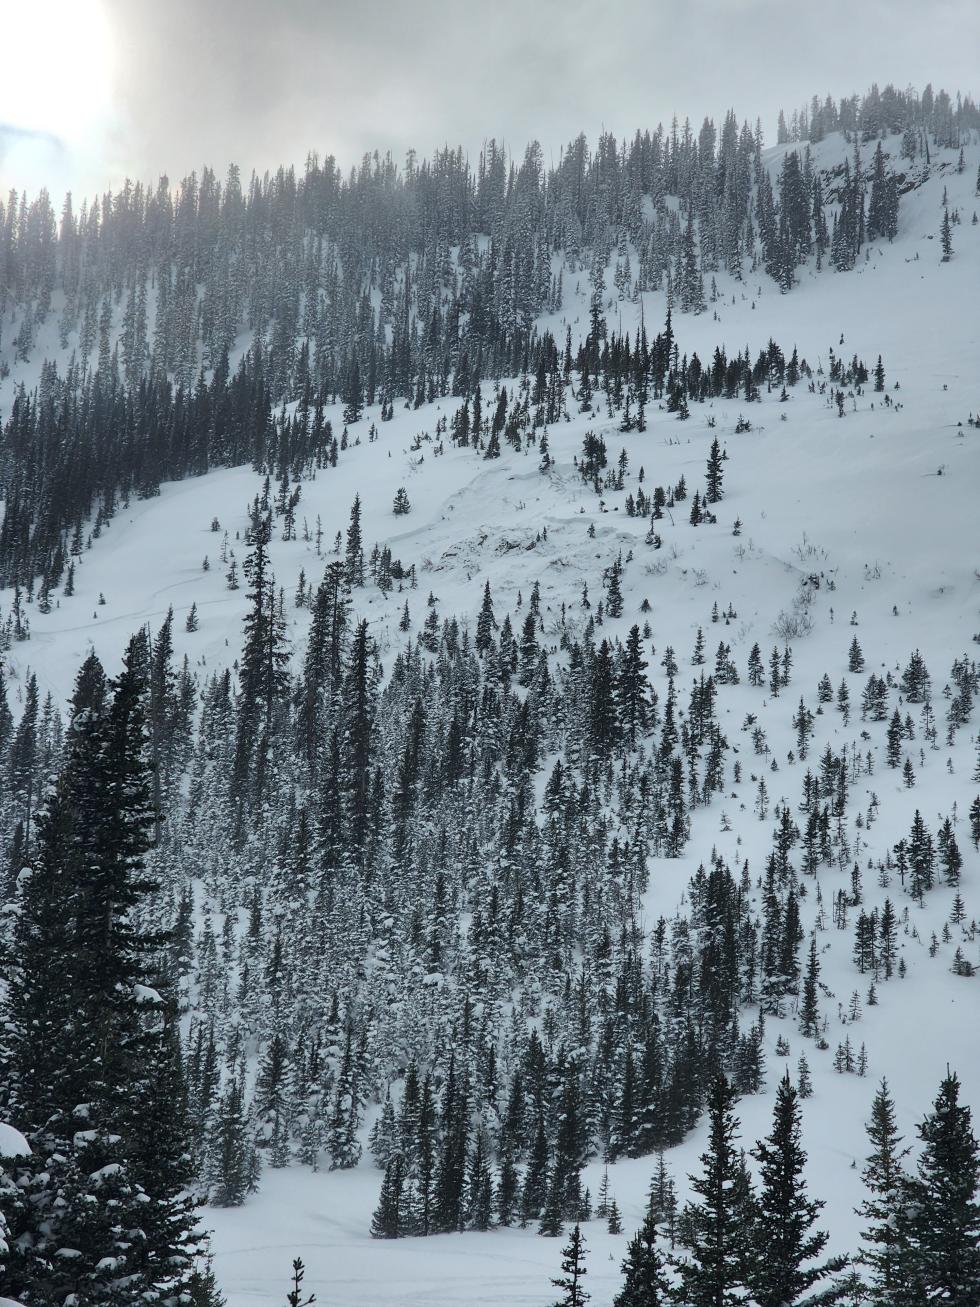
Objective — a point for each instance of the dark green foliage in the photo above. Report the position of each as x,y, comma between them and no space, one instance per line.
371,873
883,202
388,1215
783,1270
715,474
263,674
946,237
939,1225
86,961
886,1183
295,1296
719,1221
573,1293
646,1283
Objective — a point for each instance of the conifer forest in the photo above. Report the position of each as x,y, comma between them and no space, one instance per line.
489,744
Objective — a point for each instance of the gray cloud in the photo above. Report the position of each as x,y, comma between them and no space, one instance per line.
12,134
262,83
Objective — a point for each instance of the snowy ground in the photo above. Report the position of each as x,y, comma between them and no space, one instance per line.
883,502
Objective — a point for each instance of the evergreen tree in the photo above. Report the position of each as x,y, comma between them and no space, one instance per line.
203,1288
295,1296
783,1272
343,1144
354,547
113,1184
614,594
715,474
646,1283
719,1222
757,674
232,1161
939,1227
535,1188
809,1006
98,1215
22,760
387,1220
353,395
885,1181
263,674
662,1200
804,1084
946,237
883,202
574,1270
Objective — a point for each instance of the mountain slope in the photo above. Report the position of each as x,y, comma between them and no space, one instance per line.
878,505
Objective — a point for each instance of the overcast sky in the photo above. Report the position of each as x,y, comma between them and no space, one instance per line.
94,90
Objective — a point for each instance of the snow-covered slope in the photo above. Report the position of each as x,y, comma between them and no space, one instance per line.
880,504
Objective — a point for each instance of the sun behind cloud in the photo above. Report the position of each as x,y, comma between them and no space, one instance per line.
56,85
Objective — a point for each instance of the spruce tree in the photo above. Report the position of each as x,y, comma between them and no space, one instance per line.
202,1288
386,1222
614,594
263,674
573,1267
99,1215
782,1272
550,1224
809,1006
946,237
718,1223
939,1227
295,1296
14,1216
885,1181
646,1283
662,1200
232,1163
343,1144
714,474
113,1173
22,760
354,547
535,1189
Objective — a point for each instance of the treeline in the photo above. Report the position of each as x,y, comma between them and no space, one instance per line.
399,273
190,317
884,112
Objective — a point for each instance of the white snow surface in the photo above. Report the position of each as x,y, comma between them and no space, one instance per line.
12,1144
883,502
